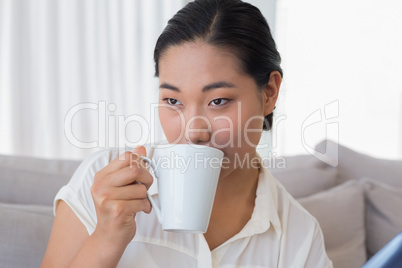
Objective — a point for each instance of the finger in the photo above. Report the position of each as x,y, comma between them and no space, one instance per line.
136,157
129,192
123,208
139,205
141,150
131,174
125,159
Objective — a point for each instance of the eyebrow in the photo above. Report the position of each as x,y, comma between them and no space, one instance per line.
212,86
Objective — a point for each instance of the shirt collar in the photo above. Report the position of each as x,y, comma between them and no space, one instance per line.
265,211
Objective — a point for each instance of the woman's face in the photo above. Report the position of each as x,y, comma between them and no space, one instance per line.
205,99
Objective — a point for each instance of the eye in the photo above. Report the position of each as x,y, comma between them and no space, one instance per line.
171,101
219,102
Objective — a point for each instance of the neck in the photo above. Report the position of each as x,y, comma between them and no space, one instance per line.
238,183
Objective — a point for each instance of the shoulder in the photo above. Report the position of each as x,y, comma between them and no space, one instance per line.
98,160
301,238
285,211
105,156
294,218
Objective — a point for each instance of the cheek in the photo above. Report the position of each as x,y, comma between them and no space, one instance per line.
234,131
170,122
225,130
251,129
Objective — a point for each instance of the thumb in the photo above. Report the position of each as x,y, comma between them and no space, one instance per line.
140,150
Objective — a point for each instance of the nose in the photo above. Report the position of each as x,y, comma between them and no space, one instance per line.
198,130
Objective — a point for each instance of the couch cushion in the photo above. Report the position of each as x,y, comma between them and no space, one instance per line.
383,213
29,180
340,212
354,165
302,182
279,164
24,234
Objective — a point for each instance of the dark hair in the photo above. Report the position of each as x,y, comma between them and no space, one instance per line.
231,24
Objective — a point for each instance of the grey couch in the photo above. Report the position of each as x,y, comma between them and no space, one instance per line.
357,203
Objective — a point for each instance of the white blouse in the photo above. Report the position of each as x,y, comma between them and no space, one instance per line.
280,233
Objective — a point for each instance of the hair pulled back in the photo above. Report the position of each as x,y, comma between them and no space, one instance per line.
233,25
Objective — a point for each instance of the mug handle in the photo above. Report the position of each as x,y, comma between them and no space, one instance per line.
153,203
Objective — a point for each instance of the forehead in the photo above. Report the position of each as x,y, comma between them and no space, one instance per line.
198,59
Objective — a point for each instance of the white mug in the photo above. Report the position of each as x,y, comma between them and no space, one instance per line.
187,177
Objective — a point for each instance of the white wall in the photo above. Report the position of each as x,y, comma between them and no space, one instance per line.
345,55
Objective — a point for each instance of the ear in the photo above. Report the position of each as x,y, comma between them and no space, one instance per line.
271,92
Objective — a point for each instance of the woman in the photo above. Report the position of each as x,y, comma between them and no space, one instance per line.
218,68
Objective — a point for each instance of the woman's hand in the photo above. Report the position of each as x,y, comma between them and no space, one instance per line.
119,191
